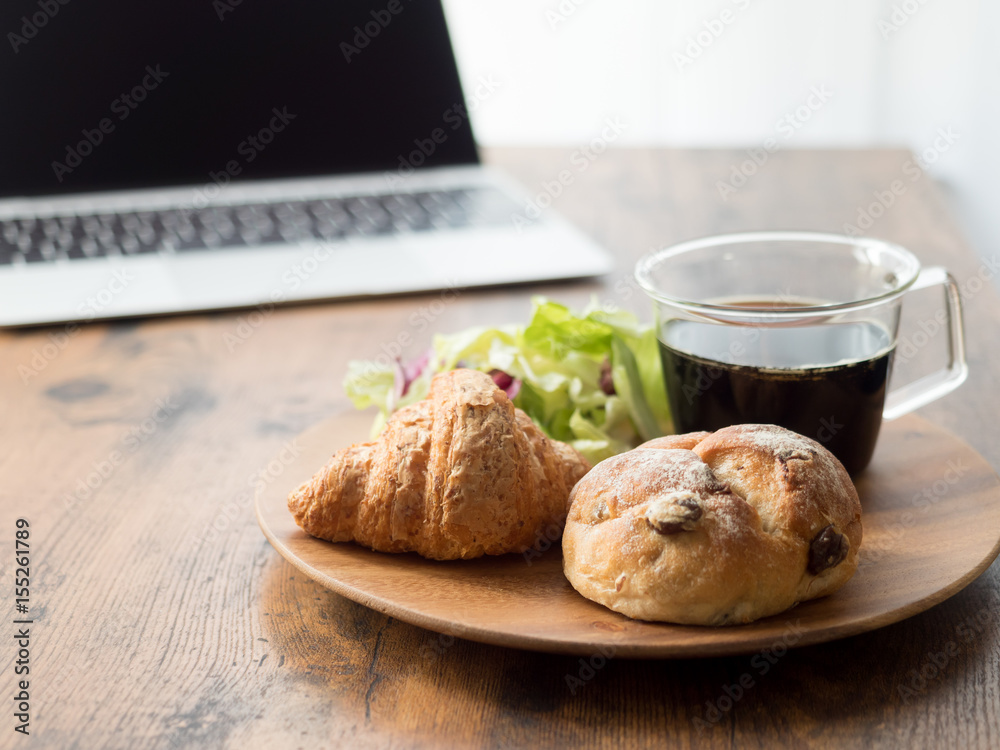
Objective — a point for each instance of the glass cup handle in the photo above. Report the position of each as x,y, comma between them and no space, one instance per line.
921,392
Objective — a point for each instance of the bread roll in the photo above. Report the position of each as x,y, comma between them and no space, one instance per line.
713,529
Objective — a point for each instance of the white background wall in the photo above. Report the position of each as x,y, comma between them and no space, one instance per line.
894,73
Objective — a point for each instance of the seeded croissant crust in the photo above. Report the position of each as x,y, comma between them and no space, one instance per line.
713,528
460,474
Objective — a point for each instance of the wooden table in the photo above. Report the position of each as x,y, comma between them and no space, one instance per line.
162,617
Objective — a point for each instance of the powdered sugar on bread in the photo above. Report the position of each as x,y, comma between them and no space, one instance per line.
713,528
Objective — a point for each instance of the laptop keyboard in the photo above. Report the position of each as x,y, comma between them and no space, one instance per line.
34,240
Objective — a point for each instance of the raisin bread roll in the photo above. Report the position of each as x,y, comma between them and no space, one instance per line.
713,529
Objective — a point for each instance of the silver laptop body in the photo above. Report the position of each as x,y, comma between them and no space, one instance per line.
167,197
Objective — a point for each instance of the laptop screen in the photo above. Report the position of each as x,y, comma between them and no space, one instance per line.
110,95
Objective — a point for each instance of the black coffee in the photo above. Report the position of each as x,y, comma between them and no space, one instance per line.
827,382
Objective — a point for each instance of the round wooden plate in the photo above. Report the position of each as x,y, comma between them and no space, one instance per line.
931,526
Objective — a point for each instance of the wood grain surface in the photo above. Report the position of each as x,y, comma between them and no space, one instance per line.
164,618
914,555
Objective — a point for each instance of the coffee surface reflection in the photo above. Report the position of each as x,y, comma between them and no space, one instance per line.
827,381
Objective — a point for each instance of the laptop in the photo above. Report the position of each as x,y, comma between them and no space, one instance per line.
188,155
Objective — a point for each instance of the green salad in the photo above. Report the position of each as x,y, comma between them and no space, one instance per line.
593,379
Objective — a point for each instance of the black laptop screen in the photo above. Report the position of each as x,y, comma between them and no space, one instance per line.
109,94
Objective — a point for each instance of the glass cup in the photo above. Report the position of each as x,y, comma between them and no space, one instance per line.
792,328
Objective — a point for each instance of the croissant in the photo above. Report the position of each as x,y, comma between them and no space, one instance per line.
460,474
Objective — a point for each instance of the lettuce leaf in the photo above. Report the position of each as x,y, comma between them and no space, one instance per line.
562,360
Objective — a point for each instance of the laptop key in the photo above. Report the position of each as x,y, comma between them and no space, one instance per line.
168,244
130,223
91,249
47,250
106,237
226,229
210,238
8,251
186,231
259,220
147,235
397,205
130,245
166,221
334,207
188,240
329,230
246,214
456,218
294,234
36,235
291,213
90,226
429,201
267,232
